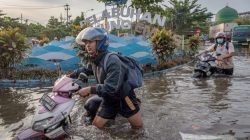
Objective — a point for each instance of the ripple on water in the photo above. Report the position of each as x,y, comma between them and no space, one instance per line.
171,102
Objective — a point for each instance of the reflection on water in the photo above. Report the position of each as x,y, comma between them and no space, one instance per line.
172,102
13,107
17,105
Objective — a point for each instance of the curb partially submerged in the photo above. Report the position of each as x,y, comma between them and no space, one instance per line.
25,83
35,83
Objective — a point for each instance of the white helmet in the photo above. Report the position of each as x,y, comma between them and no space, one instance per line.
220,35
94,33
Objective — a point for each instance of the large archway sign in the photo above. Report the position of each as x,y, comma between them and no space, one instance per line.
121,18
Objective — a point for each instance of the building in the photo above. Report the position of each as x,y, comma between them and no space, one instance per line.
224,22
226,15
245,15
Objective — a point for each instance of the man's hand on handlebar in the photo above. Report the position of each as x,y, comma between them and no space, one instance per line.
84,92
200,53
219,58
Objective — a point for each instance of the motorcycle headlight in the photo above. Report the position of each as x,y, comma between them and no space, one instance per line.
53,127
41,125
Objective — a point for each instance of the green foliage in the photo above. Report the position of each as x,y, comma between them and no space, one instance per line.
33,30
106,1
185,14
13,48
76,29
243,21
54,28
194,43
77,20
34,74
163,44
7,22
153,6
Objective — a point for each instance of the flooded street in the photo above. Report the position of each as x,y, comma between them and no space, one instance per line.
172,102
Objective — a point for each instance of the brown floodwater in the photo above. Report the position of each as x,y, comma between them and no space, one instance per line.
172,102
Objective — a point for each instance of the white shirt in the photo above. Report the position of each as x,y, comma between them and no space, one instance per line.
227,63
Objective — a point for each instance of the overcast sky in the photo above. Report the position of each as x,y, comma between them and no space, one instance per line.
41,10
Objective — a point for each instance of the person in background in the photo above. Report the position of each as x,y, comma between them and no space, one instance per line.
224,51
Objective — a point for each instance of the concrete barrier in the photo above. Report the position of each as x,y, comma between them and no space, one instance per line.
25,83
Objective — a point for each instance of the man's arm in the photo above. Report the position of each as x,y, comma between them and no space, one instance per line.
86,69
116,71
225,56
229,54
210,49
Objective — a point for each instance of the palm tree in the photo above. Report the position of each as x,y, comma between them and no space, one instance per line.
13,48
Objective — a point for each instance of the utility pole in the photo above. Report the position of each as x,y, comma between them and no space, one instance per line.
21,18
66,7
26,21
61,18
82,16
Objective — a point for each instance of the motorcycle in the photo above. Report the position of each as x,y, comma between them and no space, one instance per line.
53,116
205,66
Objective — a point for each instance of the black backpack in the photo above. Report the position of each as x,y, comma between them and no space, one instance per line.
135,71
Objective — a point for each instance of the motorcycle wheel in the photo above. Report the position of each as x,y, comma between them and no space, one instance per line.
197,74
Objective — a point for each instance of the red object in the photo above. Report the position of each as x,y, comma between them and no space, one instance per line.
198,30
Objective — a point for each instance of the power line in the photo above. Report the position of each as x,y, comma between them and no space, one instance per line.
26,6
29,6
33,8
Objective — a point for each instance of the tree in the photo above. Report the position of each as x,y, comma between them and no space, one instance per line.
7,22
13,48
33,30
56,29
184,14
76,27
193,44
118,2
53,22
242,21
163,44
77,20
153,6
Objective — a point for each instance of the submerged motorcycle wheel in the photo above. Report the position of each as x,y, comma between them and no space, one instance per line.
198,74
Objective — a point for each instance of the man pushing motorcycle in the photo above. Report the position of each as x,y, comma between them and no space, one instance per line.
112,93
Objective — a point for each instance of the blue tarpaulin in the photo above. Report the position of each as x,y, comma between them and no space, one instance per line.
63,53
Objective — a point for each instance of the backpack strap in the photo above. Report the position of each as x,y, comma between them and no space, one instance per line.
227,46
106,60
215,46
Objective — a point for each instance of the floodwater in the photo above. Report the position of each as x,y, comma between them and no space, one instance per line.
172,102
